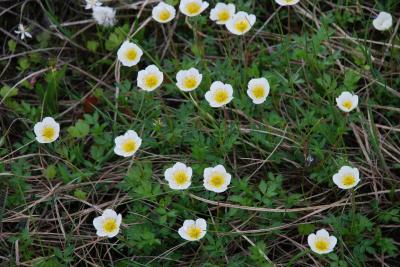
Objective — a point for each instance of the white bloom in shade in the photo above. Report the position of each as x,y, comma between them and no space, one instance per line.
92,3
104,15
219,94
193,230
22,31
347,177
347,101
383,21
321,242
240,23
188,80
287,2
163,13
108,223
192,8
216,179
129,54
178,176
47,131
150,78
258,90
126,145
221,13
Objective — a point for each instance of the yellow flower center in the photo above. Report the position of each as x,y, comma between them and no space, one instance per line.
347,104
224,15
242,25
109,225
217,180
221,96
129,146
48,133
164,15
193,8
348,180
131,54
194,232
180,177
322,244
190,82
151,80
258,92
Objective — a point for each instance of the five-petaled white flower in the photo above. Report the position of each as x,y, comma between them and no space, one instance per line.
150,78
216,179
163,13
347,177
129,54
126,145
104,15
193,230
347,101
192,8
241,23
258,90
47,130
222,12
219,94
383,21
321,242
287,2
108,223
188,80
22,31
92,3
178,176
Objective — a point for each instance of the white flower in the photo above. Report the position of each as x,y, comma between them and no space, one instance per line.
129,54
321,242
104,15
178,176
258,90
192,8
22,31
150,78
126,145
47,131
108,223
347,177
383,21
216,179
163,13
287,2
92,3
222,12
219,94
193,230
188,80
347,101
240,23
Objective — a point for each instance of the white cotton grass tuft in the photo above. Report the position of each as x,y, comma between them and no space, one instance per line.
383,21
92,3
108,224
321,242
193,230
104,15
47,130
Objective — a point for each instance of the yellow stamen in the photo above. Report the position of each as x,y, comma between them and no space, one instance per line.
48,133
151,80
348,180
189,82
180,177
322,244
164,15
347,104
129,146
258,92
194,232
224,15
221,96
193,8
109,225
217,180
131,54
242,25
